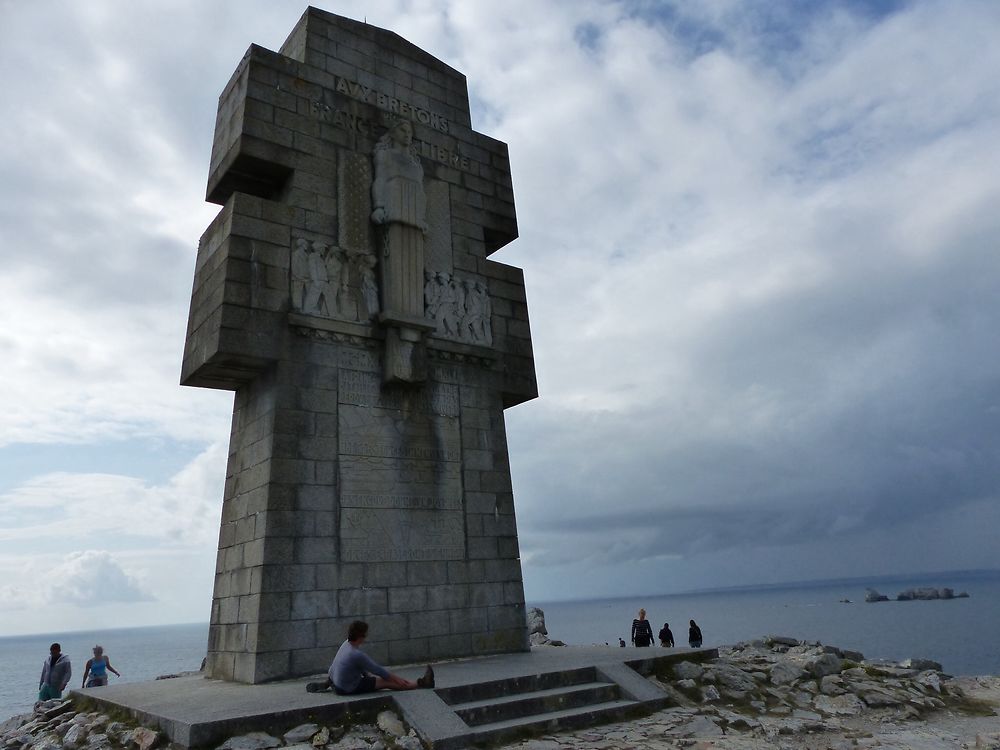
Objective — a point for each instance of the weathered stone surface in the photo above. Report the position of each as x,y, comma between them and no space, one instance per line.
921,665
251,741
784,673
839,705
709,694
75,737
536,621
389,723
930,680
824,665
832,685
696,726
731,677
301,733
877,698
144,738
781,640
687,670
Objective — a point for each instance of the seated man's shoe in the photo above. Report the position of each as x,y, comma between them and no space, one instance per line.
317,687
427,681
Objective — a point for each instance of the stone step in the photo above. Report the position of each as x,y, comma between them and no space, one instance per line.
483,691
553,721
491,710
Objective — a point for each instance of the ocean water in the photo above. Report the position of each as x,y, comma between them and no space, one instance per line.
140,654
961,634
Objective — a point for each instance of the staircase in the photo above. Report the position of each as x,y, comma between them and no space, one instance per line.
508,709
526,705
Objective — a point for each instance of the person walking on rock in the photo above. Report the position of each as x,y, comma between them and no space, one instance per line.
642,631
56,671
694,635
97,669
666,637
353,672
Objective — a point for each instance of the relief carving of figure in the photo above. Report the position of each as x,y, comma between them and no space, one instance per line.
460,308
327,281
369,287
300,274
485,315
347,303
432,295
317,297
472,317
335,274
400,208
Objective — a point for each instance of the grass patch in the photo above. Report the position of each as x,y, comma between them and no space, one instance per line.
969,706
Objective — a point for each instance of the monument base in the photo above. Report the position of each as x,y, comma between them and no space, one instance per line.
603,683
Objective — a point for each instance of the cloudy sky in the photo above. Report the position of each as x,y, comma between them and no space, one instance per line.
761,247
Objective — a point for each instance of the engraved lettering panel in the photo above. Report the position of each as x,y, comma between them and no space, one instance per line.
364,475
365,389
387,433
375,535
400,485
360,359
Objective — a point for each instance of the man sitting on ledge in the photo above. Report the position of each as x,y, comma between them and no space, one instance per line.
353,672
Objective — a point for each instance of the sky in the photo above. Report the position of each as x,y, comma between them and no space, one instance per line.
760,244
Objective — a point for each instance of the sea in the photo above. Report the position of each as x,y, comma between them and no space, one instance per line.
962,634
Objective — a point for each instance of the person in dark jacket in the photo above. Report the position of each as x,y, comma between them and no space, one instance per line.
666,637
694,635
642,631
56,671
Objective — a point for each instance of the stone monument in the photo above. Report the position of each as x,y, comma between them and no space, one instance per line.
344,293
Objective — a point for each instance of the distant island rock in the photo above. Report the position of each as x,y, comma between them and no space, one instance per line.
926,593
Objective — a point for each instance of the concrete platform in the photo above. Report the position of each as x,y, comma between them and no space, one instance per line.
194,711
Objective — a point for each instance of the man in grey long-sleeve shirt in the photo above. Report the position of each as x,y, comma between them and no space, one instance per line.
56,671
354,672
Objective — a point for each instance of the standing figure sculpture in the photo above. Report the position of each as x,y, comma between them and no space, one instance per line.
301,278
369,287
399,208
317,297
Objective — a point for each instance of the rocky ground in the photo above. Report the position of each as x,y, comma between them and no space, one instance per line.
772,693
778,693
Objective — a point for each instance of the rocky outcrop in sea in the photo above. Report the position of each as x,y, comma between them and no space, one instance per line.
924,594
538,634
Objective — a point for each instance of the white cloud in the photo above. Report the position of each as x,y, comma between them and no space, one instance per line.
92,578
66,508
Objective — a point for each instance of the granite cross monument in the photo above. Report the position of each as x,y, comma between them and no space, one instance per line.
344,292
